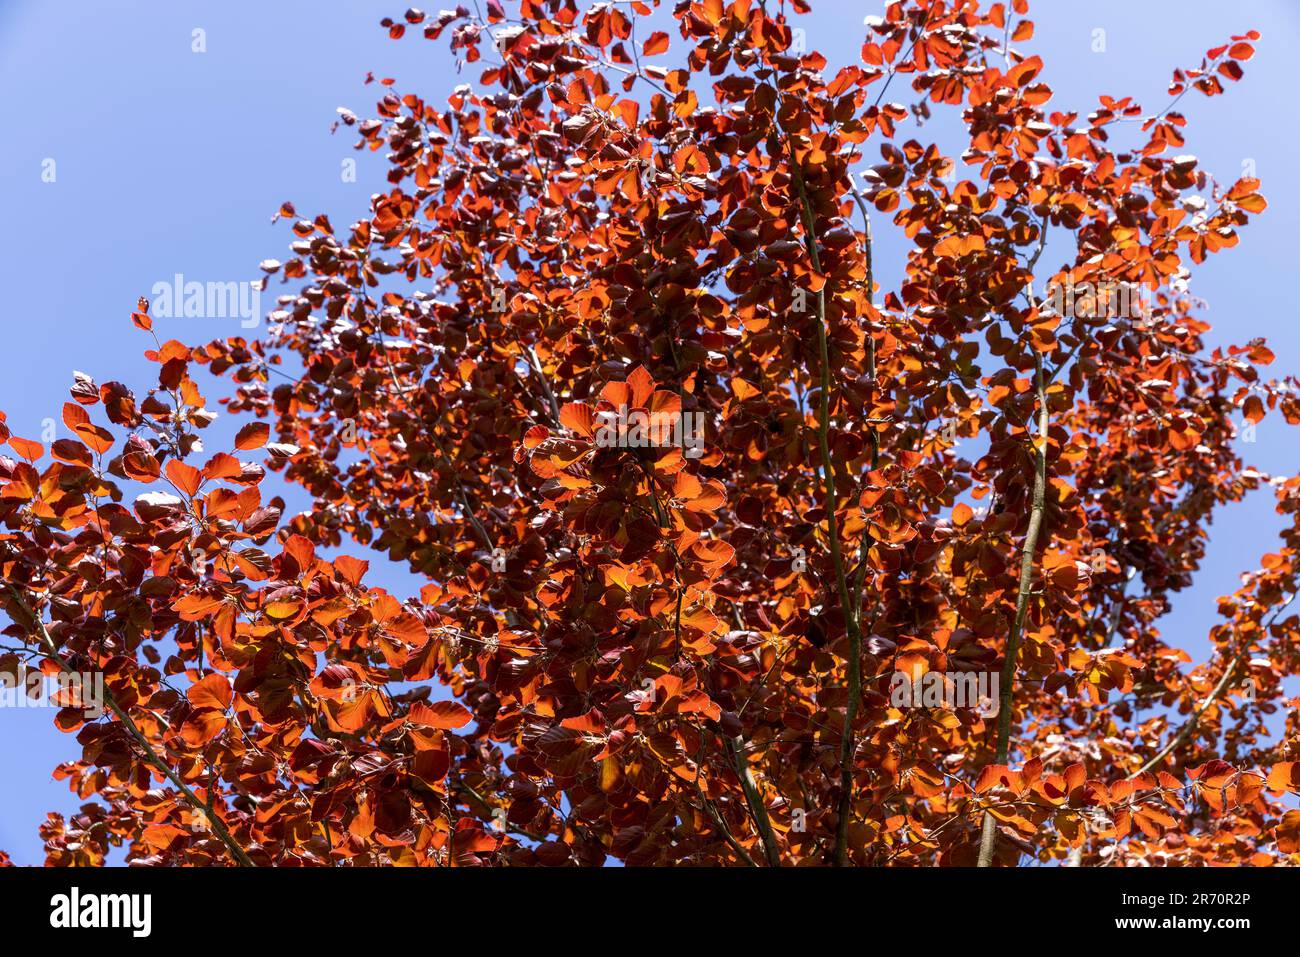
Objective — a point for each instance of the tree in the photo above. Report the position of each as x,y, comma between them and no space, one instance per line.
607,363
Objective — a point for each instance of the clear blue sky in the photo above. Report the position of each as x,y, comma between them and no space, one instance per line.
170,161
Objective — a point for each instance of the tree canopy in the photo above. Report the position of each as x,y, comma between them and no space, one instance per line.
608,363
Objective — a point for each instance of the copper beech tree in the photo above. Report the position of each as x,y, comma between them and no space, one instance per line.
608,364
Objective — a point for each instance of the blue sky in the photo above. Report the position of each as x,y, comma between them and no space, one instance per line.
170,161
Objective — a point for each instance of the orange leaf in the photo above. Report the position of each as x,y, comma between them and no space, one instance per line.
195,607
223,466
657,43
141,466
577,417
994,775
184,477
1285,777
28,449
352,569
1253,409
440,714
203,726
252,436
212,692
1288,833
99,439
74,415
282,610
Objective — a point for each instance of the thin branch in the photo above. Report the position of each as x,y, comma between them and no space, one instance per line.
757,810
859,579
490,812
854,689
989,833
1191,724
725,831
237,852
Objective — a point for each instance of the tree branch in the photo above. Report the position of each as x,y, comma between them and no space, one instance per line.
757,809
236,852
1229,673
989,832
854,689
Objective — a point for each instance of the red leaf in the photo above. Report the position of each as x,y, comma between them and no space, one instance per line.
141,466
657,43
252,436
440,714
212,692
184,477
28,449
577,416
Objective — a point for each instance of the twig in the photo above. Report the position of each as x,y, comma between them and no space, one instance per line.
237,852
989,833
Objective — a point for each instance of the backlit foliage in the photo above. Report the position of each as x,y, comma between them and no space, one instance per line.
635,653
